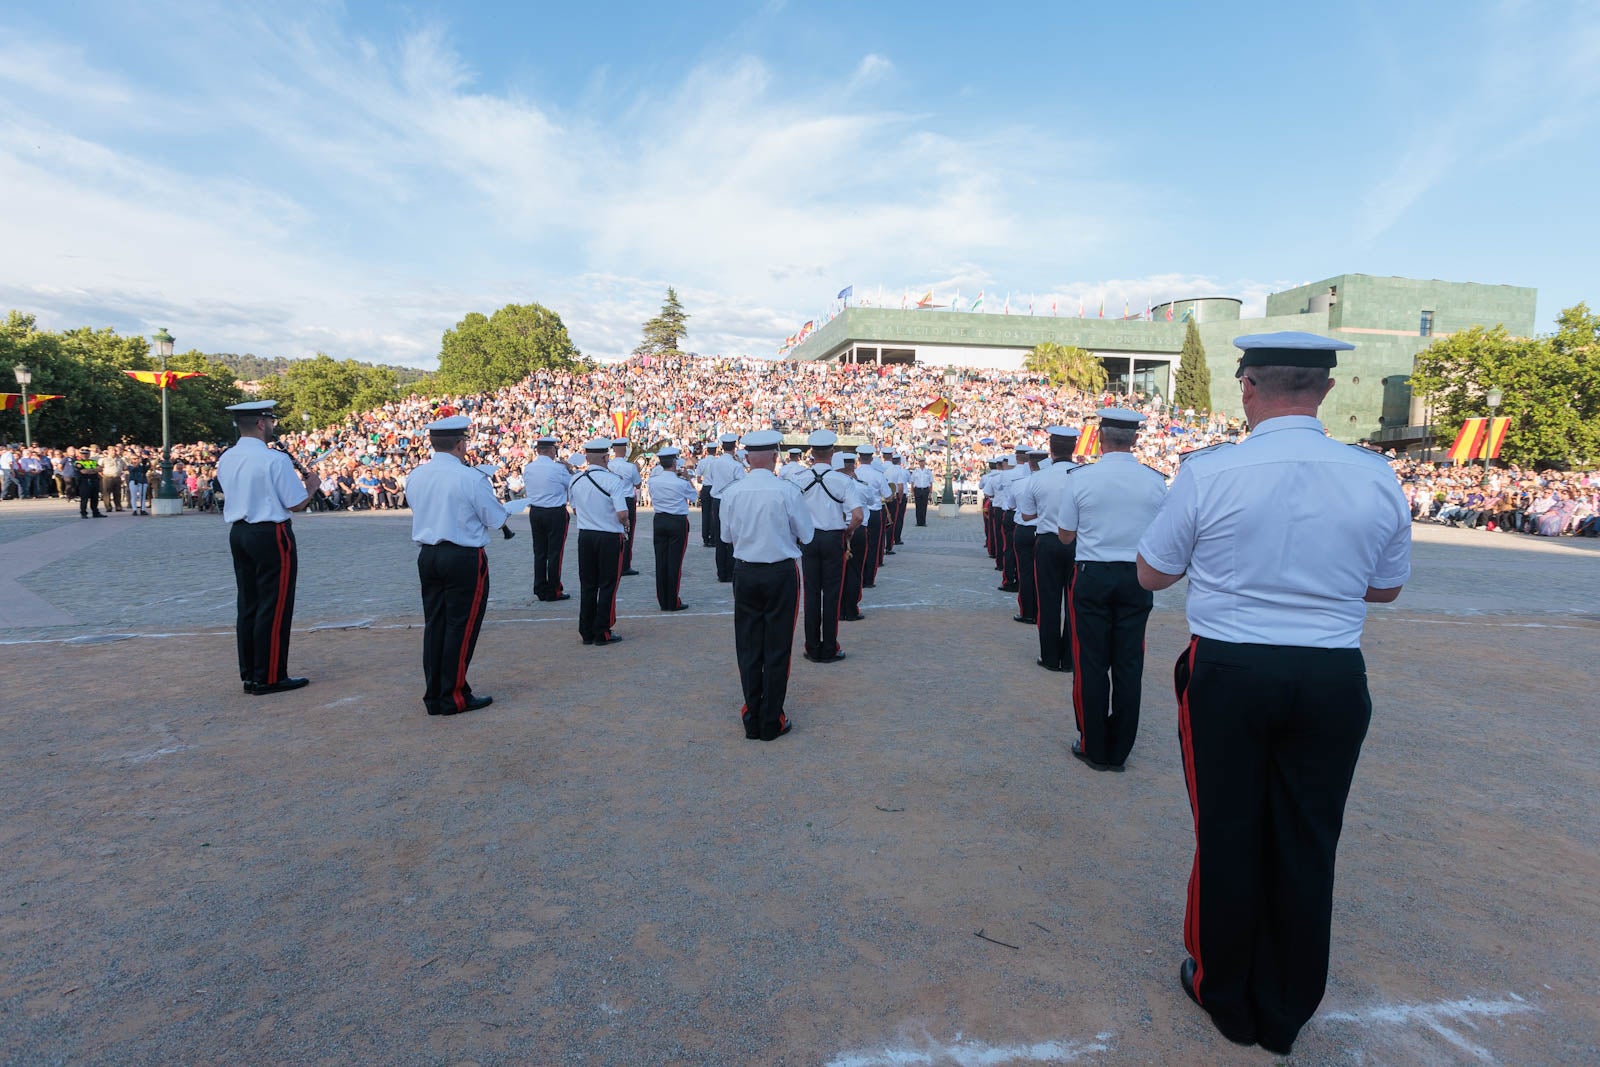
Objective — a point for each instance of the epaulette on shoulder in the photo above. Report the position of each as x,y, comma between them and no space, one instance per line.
1152,470
1370,451
1184,457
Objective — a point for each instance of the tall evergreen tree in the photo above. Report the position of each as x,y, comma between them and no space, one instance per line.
1194,377
662,333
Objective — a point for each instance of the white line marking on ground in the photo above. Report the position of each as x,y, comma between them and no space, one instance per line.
1466,1011
974,1053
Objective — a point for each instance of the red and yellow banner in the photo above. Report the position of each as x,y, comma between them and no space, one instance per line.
622,422
162,379
1480,439
1089,441
940,408
13,401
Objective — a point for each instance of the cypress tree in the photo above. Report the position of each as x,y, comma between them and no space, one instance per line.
1194,377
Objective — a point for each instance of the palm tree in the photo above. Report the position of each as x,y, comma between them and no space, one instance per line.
1067,366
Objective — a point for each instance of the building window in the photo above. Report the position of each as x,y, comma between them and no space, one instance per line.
1426,329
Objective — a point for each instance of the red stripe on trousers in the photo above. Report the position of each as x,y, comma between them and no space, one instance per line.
617,586
678,589
277,609
1191,918
1077,667
459,694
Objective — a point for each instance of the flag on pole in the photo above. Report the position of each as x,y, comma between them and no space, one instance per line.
162,378
622,421
1149,310
1030,303
13,401
1498,427
940,408
927,300
1052,307
846,293
1469,441
1089,440
1102,307
1080,307
905,295
978,303
1169,311
1006,310
1125,313
955,304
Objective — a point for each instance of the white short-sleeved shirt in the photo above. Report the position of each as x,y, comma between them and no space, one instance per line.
725,469
1109,504
597,495
1040,495
453,502
259,484
670,494
875,482
628,471
922,478
765,519
545,483
827,496
1281,535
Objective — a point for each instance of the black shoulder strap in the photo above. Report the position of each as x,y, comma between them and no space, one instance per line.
818,478
588,476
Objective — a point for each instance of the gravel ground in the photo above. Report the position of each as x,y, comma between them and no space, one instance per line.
599,869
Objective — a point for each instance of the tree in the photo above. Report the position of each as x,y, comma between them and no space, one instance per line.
328,389
1550,387
1193,389
662,333
1067,366
486,353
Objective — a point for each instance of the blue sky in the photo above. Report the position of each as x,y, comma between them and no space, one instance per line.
301,177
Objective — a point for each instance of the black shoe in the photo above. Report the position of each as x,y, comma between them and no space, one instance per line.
888,552
1007,588
857,617
869,585
473,704
680,607
282,685
588,640
629,571
836,657
1186,979
1077,751
609,639
725,581
1051,666
99,515
1024,618
558,596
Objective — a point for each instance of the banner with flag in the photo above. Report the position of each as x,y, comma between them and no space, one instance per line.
1080,307
1006,310
847,292
1102,307
1089,441
927,300
977,305
13,401
622,422
1169,311
940,408
1479,438
162,379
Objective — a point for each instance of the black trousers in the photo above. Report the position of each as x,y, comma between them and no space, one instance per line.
1054,568
265,566
88,492
886,537
549,529
724,549
709,528
633,527
822,570
900,519
1008,535
869,570
1027,590
455,589
765,596
669,536
1109,611
988,529
1271,735
921,496
854,567
599,571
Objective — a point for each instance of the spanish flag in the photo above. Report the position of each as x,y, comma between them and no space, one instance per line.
162,379
1089,441
1480,439
13,401
622,421
940,408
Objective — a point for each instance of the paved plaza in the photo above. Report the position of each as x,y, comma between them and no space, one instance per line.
600,869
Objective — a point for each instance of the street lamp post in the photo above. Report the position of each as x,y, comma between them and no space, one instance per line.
167,502
948,508
1494,398
24,379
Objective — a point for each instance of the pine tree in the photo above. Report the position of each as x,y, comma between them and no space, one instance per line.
662,333
1194,377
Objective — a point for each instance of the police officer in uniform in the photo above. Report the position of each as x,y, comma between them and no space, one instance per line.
1286,537
600,504
726,469
453,511
260,488
1103,511
1053,562
877,521
88,485
670,493
628,471
835,517
545,483
855,552
765,520
921,489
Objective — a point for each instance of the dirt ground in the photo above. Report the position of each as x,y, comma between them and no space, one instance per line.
599,869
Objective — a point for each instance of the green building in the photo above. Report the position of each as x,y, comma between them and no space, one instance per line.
1389,320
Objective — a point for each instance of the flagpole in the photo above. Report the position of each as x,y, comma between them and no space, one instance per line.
167,501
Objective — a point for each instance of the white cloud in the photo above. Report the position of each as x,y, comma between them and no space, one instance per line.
359,196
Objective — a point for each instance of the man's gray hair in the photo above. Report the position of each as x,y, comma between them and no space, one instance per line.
1290,381
1118,437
